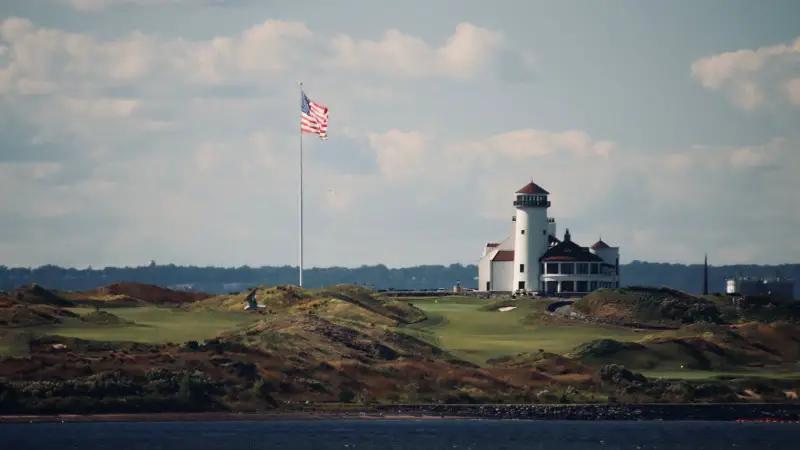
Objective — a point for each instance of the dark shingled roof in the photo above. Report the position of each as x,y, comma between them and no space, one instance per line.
567,250
504,255
532,188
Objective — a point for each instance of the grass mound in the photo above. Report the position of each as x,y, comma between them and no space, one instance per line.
700,347
545,362
104,318
274,298
36,295
20,315
345,302
146,293
320,338
402,312
663,306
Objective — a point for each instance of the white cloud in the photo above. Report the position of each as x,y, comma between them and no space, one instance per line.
39,57
469,51
178,150
747,76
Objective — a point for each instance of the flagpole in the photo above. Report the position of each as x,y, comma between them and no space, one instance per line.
300,278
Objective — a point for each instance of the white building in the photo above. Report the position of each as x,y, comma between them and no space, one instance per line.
533,259
781,289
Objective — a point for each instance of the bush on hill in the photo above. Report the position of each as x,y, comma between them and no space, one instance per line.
36,295
764,309
648,305
147,293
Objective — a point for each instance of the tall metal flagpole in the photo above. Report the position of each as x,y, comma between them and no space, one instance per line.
300,283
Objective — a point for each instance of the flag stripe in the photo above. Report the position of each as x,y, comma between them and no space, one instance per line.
313,118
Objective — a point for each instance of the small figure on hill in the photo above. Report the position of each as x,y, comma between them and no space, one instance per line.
251,300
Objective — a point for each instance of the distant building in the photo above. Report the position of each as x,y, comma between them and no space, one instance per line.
781,289
532,259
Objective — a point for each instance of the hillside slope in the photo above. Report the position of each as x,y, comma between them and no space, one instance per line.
701,347
663,306
344,302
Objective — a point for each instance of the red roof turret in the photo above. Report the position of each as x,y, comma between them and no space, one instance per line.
532,188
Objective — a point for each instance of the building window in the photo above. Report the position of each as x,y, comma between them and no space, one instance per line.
592,286
594,268
552,268
521,285
521,231
581,286
567,268
488,284
567,286
522,268
582,269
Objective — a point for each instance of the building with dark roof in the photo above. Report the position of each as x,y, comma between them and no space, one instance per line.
533,259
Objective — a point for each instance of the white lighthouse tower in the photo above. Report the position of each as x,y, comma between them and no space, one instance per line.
531,240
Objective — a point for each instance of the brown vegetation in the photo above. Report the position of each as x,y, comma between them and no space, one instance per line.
154,295
342,345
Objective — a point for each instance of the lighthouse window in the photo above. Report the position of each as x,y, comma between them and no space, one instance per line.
522,268
521,231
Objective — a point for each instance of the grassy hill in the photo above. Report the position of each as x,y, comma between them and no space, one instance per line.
702,347
479,330
344,302
663,306
139,347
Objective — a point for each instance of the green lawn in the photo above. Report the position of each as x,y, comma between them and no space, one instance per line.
459,325
152,325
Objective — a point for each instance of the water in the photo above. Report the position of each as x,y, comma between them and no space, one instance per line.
400,435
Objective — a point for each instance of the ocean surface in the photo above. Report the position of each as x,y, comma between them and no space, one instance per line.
400,434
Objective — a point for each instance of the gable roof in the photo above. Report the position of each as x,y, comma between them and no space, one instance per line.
567,250
600,244
532,188
504,256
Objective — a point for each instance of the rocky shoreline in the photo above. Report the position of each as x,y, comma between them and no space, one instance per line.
594,412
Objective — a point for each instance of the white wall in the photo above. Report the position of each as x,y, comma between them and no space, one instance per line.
530,246
484,267
552,229
502,275
609,255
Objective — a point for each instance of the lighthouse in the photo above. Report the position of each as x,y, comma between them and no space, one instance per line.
531,236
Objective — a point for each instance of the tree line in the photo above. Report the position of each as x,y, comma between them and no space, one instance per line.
688,278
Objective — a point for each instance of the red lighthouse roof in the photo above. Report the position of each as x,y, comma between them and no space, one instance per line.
600,244
532,188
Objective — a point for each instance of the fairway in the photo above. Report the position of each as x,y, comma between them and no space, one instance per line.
152,325
458,324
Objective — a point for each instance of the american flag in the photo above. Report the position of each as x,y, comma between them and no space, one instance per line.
313,118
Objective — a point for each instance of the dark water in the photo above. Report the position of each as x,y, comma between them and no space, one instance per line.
396,435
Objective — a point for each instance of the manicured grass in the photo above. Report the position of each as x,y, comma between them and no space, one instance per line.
152,325
459,325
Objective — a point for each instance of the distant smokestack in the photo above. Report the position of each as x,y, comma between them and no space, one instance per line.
705,276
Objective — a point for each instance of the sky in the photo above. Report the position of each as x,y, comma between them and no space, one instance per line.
168,130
